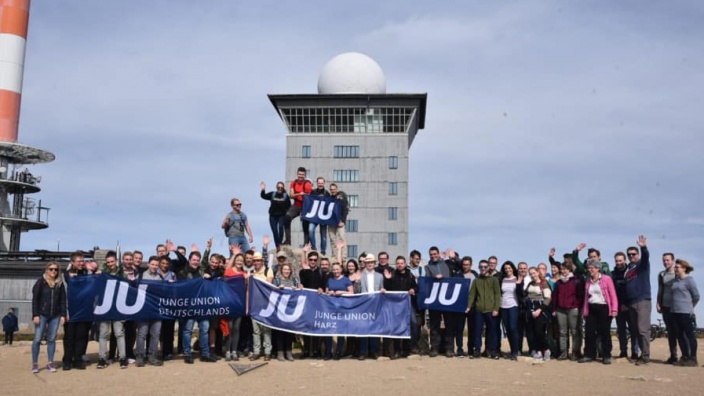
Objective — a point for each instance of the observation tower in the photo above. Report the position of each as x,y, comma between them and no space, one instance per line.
18,212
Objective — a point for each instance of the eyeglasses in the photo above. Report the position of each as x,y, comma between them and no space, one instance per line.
632,254
312,259
53,269
237,205
483,266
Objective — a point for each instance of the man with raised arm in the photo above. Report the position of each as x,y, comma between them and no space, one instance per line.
638,297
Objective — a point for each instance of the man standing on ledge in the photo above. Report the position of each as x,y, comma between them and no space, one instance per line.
235,226
638,299
298,189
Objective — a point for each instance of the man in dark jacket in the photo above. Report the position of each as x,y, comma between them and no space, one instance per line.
321,191
9,326
402,280
623,328
338,233
75,333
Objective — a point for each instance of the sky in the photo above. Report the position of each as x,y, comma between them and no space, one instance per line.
548,123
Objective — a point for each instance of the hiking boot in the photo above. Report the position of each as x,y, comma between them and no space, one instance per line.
102,363
267,358
208,359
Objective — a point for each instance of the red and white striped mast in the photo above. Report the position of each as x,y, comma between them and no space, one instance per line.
17,213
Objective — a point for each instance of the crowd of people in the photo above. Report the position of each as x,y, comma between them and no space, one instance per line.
554,313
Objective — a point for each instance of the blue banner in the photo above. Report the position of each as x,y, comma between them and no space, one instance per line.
105,297
445,294
320,209
309,313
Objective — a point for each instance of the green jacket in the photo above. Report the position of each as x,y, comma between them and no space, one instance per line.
485,294
581,270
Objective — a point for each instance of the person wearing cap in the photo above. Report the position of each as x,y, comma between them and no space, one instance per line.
262,334
600,307
371,281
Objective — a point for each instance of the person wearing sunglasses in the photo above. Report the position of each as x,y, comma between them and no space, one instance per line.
48,312
236,225
638,297
311,278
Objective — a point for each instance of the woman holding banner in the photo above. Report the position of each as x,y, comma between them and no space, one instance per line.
234,268
48,312
337,285
284,339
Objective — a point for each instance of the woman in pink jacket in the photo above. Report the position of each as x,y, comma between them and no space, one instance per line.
600,306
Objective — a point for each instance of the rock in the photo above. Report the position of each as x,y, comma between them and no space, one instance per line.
382,359
662,379
637,378
317,365
414,357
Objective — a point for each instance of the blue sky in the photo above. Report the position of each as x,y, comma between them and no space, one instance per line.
548,123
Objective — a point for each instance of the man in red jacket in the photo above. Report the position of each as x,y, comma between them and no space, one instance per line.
297,190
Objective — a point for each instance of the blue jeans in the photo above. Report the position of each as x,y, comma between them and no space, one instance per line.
203,327
509,317
323,236
277,224
491,322
240,240
52,326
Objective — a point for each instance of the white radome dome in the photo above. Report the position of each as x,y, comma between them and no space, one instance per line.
351,72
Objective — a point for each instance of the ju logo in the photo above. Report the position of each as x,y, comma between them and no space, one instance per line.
439,293
319,208
281,308
121,301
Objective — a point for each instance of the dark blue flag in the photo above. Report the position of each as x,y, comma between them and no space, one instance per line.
105,297
307,312
445,294
320,209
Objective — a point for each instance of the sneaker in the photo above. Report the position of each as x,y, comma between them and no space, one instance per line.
35,368
102,364
449,354
139,362
168,357
235,357
623,355
123,363
563,356
537,355
460,353
65,367
643,361
433,353
476,355
585,359
513,357
50,368
131,361
634,357
155,362
607,360
79,365
188,359
546,356
228,356
289,356
268,358
671,360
